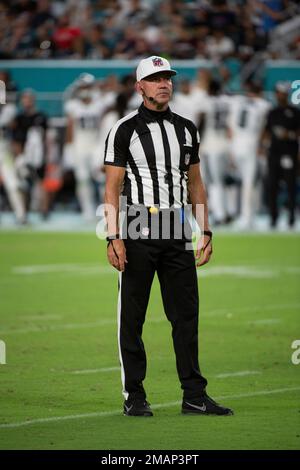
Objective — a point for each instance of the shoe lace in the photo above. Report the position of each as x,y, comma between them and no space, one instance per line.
211,400
142,401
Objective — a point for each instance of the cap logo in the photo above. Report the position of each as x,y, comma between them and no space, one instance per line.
157,62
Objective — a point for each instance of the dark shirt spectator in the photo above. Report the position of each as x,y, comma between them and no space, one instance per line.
43,43
220,16
42,14
23,6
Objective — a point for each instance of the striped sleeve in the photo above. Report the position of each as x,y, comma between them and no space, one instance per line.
195,142
117,142
116,148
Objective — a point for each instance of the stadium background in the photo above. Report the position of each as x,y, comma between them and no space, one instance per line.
60,386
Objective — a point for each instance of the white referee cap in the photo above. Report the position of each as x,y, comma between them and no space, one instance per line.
151,65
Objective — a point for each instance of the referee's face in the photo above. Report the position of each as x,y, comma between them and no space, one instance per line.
158,86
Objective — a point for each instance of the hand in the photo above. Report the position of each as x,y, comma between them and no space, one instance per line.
116,254
204,250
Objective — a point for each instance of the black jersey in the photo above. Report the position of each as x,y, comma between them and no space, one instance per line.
23,122
283,124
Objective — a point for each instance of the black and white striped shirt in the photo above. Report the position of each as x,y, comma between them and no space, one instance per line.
156,148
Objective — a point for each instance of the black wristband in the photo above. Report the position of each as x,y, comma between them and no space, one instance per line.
113,237
208,233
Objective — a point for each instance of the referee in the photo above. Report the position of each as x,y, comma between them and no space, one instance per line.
151,159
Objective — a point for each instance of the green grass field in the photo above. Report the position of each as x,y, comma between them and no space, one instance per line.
61,388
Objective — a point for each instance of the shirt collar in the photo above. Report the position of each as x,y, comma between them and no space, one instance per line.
154,116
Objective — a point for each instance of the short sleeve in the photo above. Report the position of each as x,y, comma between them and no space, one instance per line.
117,146
195,141
70,107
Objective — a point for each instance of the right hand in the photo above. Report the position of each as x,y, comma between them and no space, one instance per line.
203,254
116,254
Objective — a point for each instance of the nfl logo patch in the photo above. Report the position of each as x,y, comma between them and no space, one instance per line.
187,158
157,62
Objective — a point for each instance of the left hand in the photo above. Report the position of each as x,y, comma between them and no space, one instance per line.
204,250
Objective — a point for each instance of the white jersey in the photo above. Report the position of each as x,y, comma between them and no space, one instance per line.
247,118
87,116
7,114
198,96
189,106
216,111
134,102
109,120
184,105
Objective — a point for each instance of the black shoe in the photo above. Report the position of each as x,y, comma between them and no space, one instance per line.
204,405
137,407
228,219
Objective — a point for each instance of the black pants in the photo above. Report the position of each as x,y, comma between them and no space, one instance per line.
278,173
177,275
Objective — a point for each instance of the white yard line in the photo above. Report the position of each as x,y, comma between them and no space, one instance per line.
67,326
77,326
265,321
255,272
241,373
94,371
102,414
263,308
42,317
63,268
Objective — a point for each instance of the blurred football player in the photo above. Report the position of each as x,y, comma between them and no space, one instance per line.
247,118
8,173
84,112
29,146
184,103
120,108
214,146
